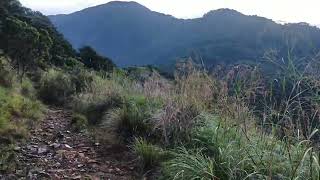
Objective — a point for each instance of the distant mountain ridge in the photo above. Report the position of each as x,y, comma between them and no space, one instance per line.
132,34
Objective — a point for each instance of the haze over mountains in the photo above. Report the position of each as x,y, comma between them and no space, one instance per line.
131,34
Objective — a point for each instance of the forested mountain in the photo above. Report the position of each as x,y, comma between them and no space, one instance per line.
131,34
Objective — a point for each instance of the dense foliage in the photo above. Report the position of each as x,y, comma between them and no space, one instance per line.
31,41
92,59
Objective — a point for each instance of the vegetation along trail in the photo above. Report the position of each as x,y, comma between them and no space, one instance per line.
54,152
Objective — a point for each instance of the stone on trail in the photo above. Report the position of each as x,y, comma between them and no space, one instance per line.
43,150
55,145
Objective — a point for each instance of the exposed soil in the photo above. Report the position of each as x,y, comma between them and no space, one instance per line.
53,151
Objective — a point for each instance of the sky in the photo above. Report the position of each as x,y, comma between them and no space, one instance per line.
278,10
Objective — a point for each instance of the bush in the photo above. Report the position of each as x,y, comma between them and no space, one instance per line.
7,75
190,165
79,122
16,114
133,118
175,121
150,155
82,79
7,160
27,89
102,95
16,105
56,87
223,151
97,97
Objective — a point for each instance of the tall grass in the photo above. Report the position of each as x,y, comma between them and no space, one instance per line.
149,155
223,152
245,124
56,87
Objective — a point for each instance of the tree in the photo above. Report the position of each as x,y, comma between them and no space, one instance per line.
93,60
52,46
26,46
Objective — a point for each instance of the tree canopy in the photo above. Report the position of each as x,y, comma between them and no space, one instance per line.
92,59
31,41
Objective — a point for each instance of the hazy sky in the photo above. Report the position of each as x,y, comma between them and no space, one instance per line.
284,10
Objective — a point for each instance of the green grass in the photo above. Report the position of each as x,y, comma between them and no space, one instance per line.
79,122
189,165
17,111
150,155
56,87
223,151
133,118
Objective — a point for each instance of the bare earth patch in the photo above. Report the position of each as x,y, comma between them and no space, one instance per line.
54,152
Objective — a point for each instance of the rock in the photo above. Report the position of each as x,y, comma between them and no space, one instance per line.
81,145
55,170
11,176
60,135
44,175
55,145
118,170
32,148
57,164
66,146
76,177
43,150
19,172
36,173
81,155
68,138
55,176
17,148
60,154
92,161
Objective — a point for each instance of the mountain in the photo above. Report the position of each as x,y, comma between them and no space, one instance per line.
132,34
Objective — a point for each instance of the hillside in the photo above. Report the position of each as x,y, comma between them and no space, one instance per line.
68,114
131,34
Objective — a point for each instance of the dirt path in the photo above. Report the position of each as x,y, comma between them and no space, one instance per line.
54,152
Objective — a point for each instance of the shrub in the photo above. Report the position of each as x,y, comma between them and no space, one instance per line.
149,155
79,122
56,87
99,96
7,75
190,165
7,160
133,118
223,151
16,113
27,89
192,93
175,121
20,106
82,79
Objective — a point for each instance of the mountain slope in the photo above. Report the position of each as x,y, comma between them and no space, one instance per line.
131,34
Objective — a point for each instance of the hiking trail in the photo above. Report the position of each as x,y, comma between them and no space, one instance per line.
53,151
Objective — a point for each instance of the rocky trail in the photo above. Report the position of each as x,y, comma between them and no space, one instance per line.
53,151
